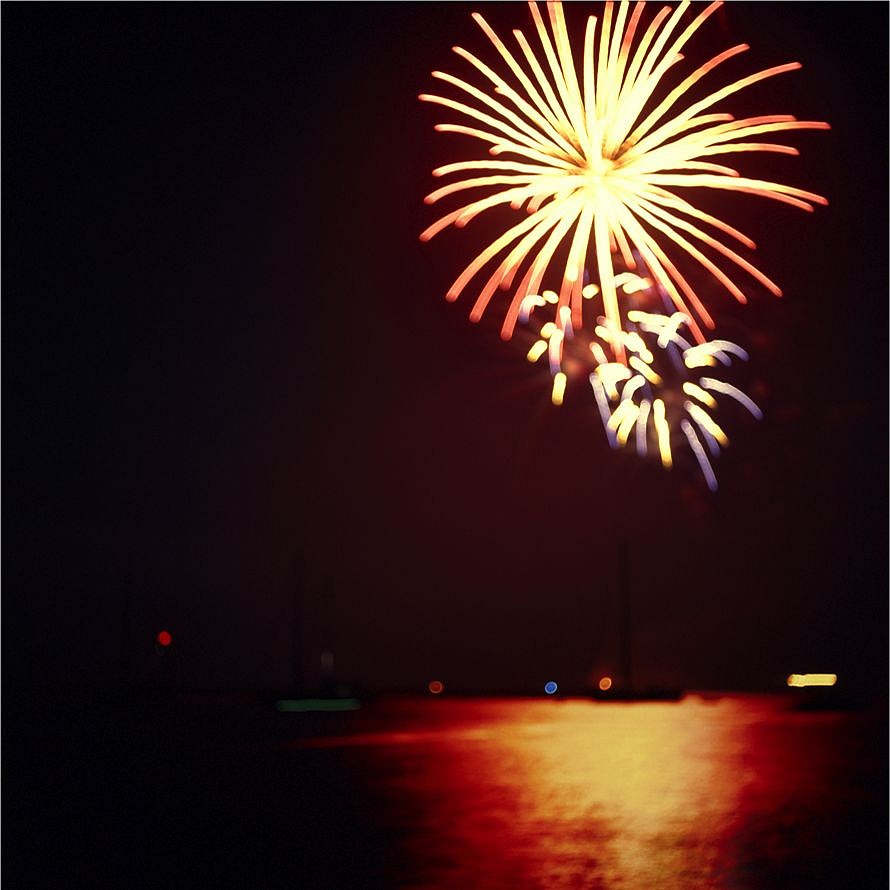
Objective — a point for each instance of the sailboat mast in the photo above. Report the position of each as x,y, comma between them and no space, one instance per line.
624,641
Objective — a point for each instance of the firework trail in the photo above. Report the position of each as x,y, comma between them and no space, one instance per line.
574,143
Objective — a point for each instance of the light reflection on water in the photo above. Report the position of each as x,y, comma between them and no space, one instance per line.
734,793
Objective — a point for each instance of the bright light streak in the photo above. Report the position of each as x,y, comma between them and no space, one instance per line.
627,425
699,452
706,353
642,448
597,352
706,422
555,351
539,347
801,680
729,390
559,388
610,374
602,402
692,389
665,327
529,304
635,343
645,370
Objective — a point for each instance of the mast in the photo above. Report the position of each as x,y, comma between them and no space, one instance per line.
624,641
296,647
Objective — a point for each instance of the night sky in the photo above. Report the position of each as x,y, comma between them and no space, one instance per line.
229,373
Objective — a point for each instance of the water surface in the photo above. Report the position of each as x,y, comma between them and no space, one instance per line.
737,792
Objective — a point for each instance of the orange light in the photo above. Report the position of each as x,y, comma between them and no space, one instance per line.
605,683
164,638
436,687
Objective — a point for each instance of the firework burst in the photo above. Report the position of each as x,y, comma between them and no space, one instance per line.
665,389
598,148
664,396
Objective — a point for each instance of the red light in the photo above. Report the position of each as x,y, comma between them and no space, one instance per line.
436,686
164,638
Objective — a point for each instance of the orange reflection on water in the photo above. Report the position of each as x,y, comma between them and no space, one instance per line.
571,794
734,793
628,795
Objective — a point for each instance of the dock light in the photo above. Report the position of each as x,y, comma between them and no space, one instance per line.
801,680
164,638
550,687
436,687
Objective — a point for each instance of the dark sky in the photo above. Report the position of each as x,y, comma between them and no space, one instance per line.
228,368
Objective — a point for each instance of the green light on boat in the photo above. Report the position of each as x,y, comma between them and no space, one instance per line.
302,705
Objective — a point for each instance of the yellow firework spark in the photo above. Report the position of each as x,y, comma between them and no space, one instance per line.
597,148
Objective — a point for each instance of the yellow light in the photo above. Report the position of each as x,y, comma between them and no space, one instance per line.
626,409
729,390
801,680
550,296
598,353
631,283
645,370
699,360
712,351
539,347
635,343
555,350
610,373
589,291
547,329
691,389
639,284
703,419
559,388
627,425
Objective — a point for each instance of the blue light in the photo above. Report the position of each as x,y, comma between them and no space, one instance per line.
550,687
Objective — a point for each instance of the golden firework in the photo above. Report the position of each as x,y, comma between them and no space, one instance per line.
596,147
